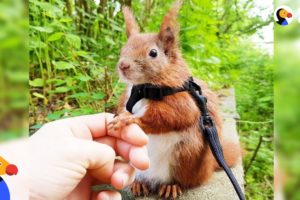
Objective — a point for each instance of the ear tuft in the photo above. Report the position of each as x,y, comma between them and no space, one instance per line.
130,22
169,28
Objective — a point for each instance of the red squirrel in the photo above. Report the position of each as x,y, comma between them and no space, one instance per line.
180,158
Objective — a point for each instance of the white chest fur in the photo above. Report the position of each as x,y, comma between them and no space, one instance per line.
160,150
140,107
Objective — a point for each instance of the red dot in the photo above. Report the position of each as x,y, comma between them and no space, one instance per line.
11,170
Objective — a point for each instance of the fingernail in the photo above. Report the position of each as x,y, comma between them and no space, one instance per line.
123,182
124,179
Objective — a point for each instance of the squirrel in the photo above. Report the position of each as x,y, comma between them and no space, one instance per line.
180,158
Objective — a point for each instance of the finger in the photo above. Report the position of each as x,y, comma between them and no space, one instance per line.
92,126
96,157
139,157
123,149
105,195
81,191
123,175
108,140
132,134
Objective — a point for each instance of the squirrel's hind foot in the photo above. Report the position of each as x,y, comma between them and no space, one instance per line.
139,189
169,191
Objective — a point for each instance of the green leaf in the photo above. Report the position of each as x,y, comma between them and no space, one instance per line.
38,82
84,54
33,44
55,36
62,65
82,77
36,126
109,40
266,99
54,115
98,95
56,81
73,40
43,29
188,28
80,95
82,111
62,89
66,20
117,28
38,95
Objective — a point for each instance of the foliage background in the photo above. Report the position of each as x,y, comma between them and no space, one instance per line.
13,70
74,47
287,93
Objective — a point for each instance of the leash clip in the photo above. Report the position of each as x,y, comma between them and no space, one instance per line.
206,122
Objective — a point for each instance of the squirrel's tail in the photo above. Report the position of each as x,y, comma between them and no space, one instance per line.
232,152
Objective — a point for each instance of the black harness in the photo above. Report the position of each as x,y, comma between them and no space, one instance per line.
206,123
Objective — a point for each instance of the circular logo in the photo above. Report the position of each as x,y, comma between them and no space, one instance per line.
283,15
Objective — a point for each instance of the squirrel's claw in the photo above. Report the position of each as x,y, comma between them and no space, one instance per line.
138,189
169,191
121,120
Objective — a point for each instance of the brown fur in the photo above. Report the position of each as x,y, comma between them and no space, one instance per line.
178,112
132,27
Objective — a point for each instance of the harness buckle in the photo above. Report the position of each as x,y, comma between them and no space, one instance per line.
206,121
153,93
191,85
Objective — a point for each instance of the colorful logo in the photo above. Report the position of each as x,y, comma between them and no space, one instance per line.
6,169
283,15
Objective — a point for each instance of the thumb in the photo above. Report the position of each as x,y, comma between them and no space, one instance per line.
97,158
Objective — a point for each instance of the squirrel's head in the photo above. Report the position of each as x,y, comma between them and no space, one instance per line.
152,57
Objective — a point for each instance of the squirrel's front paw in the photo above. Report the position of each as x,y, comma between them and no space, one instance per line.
121,120
169,191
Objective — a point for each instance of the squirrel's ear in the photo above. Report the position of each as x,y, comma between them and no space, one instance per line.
130,22
169,28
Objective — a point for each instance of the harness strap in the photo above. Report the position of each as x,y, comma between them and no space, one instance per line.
210,132
206,123
152,92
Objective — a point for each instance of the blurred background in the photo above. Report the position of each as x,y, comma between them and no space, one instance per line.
14,62
287,98
59,57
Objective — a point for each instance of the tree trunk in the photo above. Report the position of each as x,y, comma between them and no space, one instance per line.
101,10
127,3
78,7
69,7
147,10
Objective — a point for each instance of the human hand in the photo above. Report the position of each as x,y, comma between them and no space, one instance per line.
69,156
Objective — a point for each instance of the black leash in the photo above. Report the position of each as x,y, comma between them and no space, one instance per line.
206,123
210,132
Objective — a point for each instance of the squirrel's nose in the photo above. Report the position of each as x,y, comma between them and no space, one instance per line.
123,66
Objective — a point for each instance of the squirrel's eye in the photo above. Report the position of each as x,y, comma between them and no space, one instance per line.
153,53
